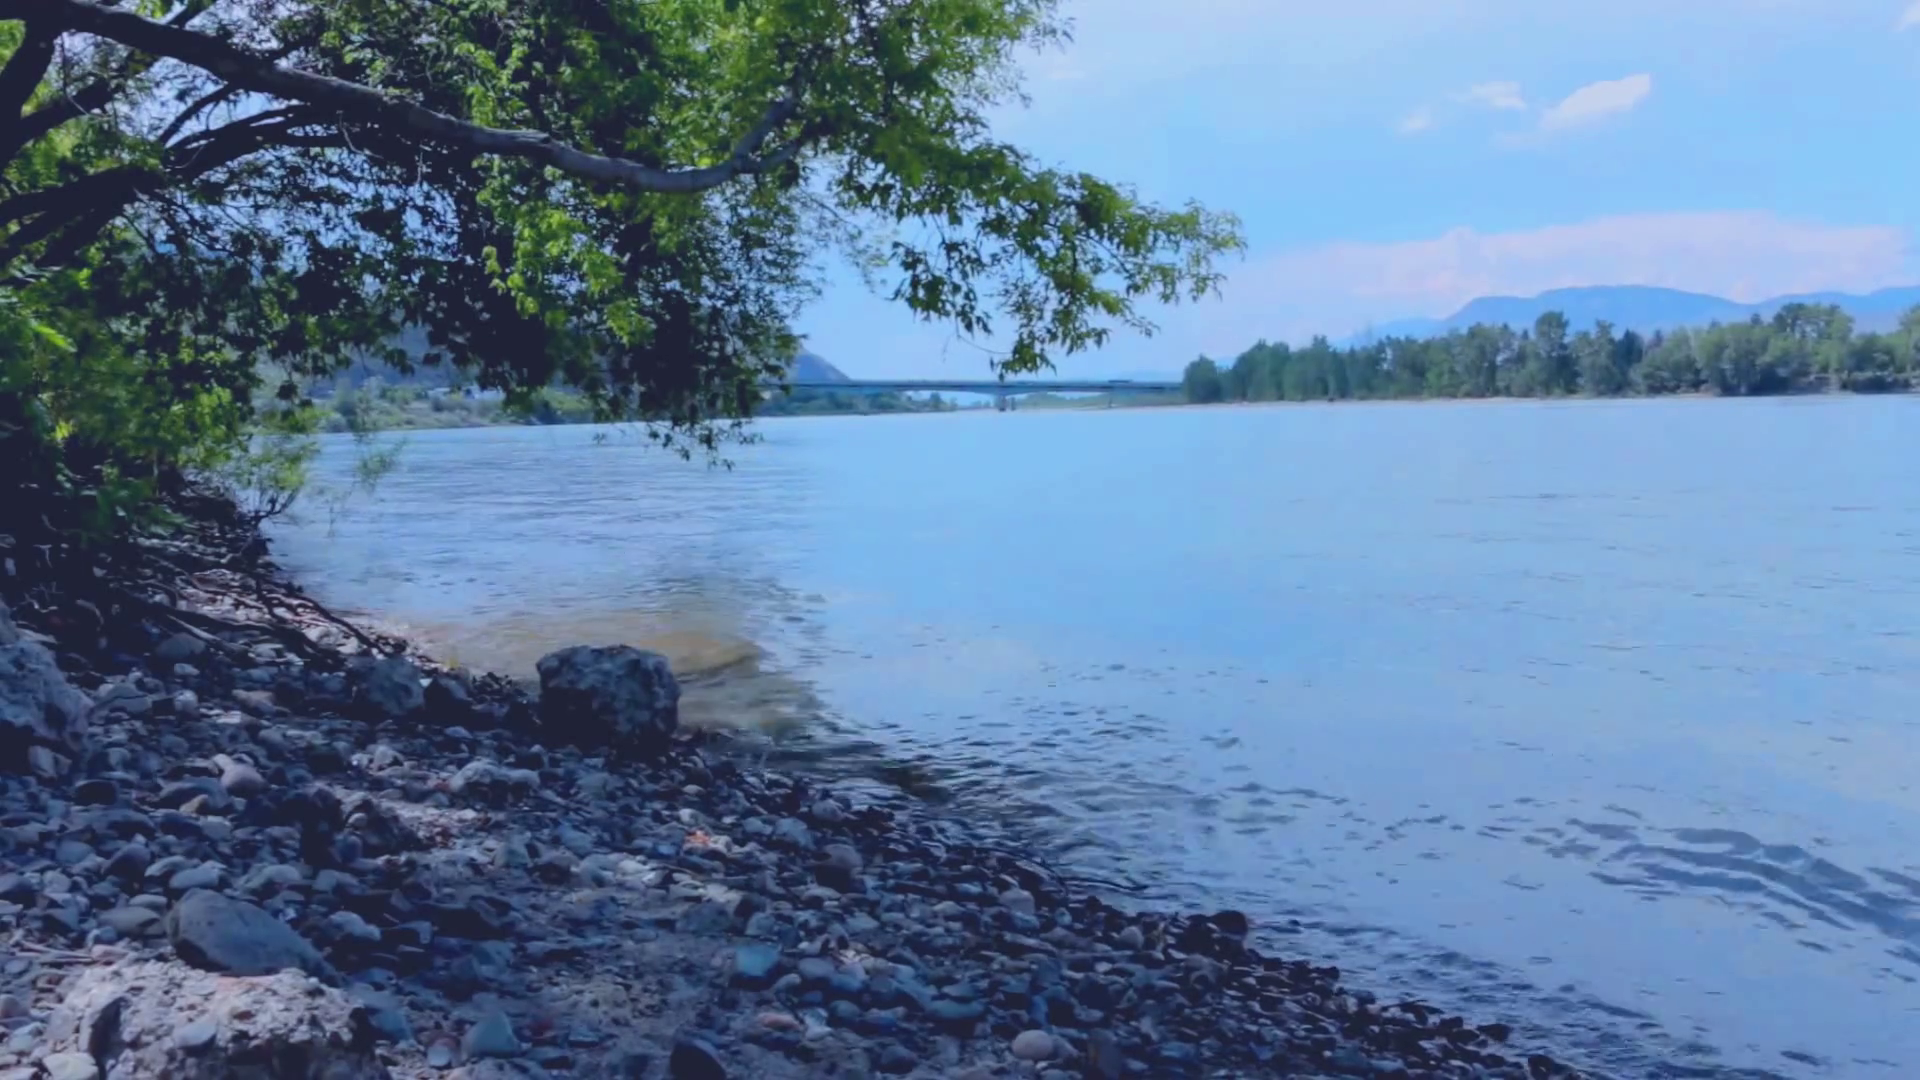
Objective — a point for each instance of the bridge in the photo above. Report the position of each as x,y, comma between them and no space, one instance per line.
1003,391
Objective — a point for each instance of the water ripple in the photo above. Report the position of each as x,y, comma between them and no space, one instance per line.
1550,713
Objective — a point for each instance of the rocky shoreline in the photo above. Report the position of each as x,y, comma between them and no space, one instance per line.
242,838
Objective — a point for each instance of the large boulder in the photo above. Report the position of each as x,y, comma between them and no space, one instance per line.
43,719
387,688
616,696
144,1020
214,932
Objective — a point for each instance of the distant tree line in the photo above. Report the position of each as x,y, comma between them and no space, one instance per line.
1803,348
814,402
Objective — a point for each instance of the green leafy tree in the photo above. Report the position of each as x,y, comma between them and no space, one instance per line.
1557,369
1596,356
207,208
1908,337
1238,382
1202,382
1672,366
1278,356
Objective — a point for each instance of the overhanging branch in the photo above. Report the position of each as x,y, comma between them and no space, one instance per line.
250,71
67,217
24,70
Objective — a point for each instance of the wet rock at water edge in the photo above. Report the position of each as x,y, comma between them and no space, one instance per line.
838,867
217,933
616,696
448,700
388,687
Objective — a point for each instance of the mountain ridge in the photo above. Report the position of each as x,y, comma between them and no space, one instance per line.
1644,308
812,367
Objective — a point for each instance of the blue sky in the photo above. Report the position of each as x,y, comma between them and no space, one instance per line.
1399,157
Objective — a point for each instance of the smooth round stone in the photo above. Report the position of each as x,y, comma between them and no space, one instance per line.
1033,1045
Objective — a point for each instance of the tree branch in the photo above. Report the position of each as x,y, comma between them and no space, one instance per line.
250,71
24,70
21,133
91,98
80,208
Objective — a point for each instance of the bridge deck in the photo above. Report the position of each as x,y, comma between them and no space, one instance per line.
992,387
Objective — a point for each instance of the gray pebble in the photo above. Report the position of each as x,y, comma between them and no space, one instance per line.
70,1066
492,1036
197,1035
204,876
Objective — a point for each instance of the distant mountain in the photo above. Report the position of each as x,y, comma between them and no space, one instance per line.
810,368
1644,308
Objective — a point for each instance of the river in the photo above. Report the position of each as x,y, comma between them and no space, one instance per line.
1602,718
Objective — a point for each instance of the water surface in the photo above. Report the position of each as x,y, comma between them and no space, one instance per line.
1597,716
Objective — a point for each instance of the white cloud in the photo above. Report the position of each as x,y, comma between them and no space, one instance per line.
1597,100
1418,120
1743,255
1496,95
1909,18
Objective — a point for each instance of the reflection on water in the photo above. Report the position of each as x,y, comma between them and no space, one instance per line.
1598,716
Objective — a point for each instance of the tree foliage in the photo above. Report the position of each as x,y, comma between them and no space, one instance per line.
1803,347
205,205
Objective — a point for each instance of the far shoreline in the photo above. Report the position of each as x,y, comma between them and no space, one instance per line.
1189,406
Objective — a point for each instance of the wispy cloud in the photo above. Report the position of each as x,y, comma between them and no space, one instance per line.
1501,96
1909,18
1496,95
1596,101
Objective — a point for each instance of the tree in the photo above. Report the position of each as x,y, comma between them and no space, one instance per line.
1559,370
1672,365
1908,340
1258,365
1597,360
1240,379
627,196
1202,384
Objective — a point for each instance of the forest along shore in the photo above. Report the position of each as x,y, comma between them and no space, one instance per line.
238,833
